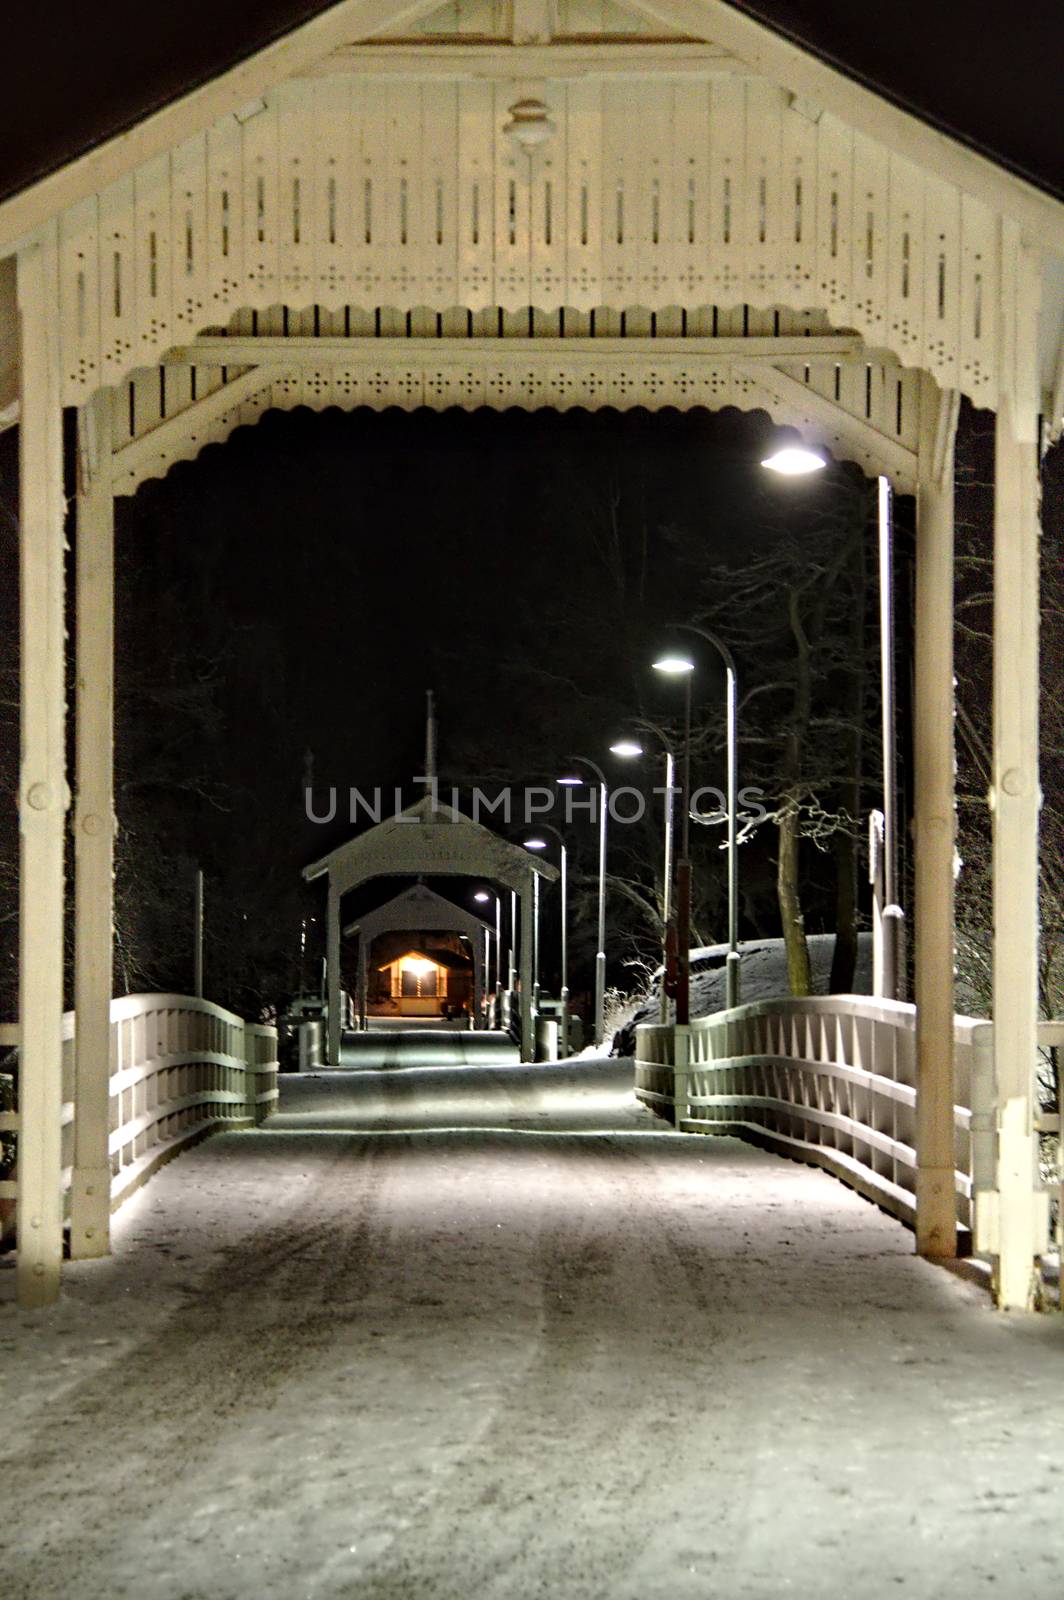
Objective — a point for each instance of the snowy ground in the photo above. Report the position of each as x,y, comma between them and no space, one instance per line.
763,974
492,1332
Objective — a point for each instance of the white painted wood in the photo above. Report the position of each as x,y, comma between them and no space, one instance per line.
906,263
829,1080
90,1195
848,432
184,432
243,350
1015,795
655,194
43,796
562,59
934,829
515,371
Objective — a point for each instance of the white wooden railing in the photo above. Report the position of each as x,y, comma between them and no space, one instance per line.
180,1068
830,1080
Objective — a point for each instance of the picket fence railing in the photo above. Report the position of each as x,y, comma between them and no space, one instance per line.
180,1068
831,1080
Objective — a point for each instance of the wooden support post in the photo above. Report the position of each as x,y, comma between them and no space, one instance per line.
43,796
528,1039
332,974
1015,796
936,1198
90,1196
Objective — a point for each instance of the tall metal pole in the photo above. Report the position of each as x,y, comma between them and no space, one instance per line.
683,875
666,899
498,960
511,983
482,1021
892,916
197,935
600,954
535,941
564,997
733,971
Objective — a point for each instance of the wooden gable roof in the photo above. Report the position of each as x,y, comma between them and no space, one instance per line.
972,68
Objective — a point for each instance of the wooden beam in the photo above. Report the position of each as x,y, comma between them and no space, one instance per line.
90,1195
895,458
532,21
934,828
1021,1222
173,433
43,796
239,350
561,59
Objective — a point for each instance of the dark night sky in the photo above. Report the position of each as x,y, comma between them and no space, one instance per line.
320,570
988,72
364,557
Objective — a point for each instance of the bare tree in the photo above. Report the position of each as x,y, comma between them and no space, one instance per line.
797,617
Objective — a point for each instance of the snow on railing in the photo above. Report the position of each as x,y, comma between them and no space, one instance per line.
180,1068
830,1080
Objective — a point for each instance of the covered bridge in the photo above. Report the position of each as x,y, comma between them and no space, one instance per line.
526,203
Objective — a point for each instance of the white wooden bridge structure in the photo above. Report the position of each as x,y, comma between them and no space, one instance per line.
545,203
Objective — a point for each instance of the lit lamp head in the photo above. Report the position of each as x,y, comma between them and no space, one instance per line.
535,844
482,896
417,965
570,782
626,748
674,666
794,461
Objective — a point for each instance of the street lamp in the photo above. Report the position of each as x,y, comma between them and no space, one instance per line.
482,897
541,844
570,781
732,973
677,667
795,461
628,748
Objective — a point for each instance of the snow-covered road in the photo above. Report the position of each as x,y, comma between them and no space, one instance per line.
493,1332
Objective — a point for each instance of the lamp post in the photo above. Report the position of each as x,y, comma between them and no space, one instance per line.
482,897
541,844
793,462
680,666
629,749
732,973
600,955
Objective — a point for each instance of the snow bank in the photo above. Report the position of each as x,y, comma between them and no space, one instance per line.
764,977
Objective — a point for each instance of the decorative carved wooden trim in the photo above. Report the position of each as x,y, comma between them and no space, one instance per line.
861,411
360,192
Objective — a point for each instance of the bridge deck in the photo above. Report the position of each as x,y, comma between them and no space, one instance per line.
491,1333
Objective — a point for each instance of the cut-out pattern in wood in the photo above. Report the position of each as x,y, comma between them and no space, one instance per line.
382,191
